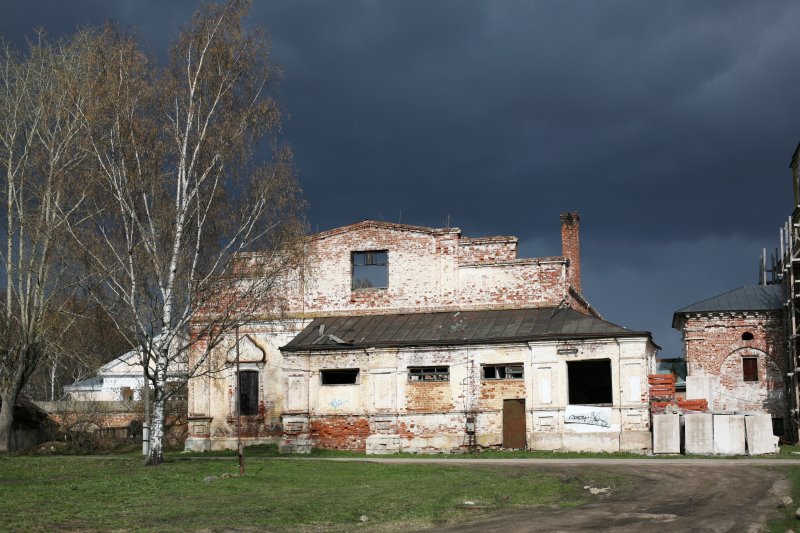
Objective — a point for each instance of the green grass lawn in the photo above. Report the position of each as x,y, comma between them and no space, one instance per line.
115,492
271,450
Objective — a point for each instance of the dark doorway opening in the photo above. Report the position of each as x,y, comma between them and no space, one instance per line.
248,392
590,382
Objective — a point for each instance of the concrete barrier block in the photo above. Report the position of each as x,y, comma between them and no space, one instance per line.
666,433
729,435
699,433
760,439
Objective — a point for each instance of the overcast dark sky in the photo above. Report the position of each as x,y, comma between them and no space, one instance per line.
668,125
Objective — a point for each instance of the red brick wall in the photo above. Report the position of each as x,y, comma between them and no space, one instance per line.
714,346
570,245
488,250
340,432
430,397
494,392
428,269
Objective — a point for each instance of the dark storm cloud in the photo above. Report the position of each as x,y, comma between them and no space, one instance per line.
667,125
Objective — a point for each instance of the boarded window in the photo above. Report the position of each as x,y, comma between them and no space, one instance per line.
370,269
248,392
429,373
339,376
589,382
511,371
750,368
127,394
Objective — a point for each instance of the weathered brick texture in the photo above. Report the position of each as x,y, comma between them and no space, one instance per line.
571,247
428,270
340,432
493,392
429,397
715,348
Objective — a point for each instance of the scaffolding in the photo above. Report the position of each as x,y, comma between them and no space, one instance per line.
785,269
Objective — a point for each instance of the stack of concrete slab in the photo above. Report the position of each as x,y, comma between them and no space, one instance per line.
714,433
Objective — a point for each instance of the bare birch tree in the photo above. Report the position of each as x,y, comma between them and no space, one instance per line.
191,182
39,156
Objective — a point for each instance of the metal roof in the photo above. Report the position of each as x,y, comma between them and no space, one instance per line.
748,298
453,328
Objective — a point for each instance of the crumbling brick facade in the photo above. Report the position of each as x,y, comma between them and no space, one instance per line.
717,345
384,408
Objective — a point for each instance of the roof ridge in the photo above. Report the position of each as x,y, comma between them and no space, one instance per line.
688,308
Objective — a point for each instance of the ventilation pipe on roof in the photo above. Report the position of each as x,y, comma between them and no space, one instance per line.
570,245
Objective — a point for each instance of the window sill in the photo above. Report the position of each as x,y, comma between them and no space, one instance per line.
246,418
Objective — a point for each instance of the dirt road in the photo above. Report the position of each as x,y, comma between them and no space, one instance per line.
667,495
713,496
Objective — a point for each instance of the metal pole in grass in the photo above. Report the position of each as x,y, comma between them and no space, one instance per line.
239,408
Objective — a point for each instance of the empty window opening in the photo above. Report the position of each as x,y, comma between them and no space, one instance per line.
512,371
341,376
777,427
747,336
429,373
589,382
248,392
750,368
370,269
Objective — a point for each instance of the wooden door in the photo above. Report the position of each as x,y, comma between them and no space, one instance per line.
514,434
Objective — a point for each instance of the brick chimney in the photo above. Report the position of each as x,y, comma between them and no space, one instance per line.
571,247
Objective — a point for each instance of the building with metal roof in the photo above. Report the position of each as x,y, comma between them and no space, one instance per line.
403,338
734,348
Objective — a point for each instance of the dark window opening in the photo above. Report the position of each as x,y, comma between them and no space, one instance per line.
370,269
512,371
345,376
747,336
777,427
429,373
750,368
248,392
589,382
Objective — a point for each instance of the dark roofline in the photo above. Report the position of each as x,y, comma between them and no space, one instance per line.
688,308
468,342
331,339
680,314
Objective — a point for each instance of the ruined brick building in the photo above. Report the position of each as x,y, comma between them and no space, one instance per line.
742,348
735,351
406,338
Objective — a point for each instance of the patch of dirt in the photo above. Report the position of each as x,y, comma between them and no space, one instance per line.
708,498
